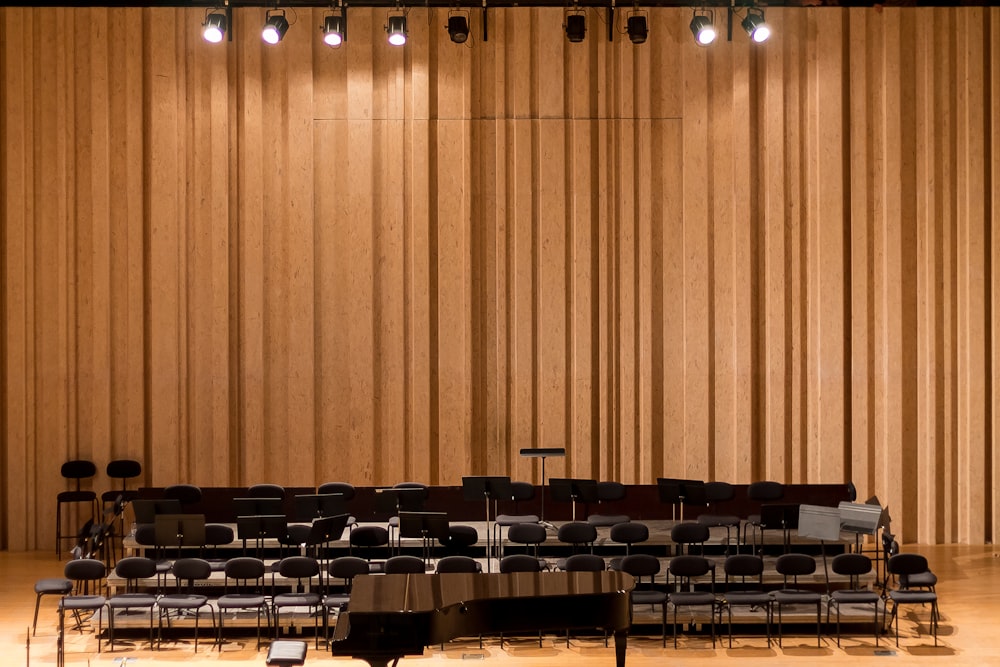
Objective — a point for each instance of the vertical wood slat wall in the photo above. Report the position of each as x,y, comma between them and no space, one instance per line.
240,263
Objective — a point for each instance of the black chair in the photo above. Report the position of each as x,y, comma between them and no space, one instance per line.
578,534
519,492
49,586
185,494
530,535
684,570
343,489
718,492
368,538
243,590
133,570
183,601
411,502
633,532
218,535
114,501
87,575
791,567
76,470
687,534
761,492
404,564
853,566
608,492
584,563
520,563
341,573
458,563
266,491
300,570
460,538
644,568
744,587
907,565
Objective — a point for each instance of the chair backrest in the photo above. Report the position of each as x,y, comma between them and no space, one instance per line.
404,564
906,564
641,565
794,566
766,490
298,567
584,563
134,568
741,569
188,570
187,494
86,573
369,536
123,469
578,533
77,470
716,492
457,564
520,563
245,568
684,569
266,491
610,491
689,532
521,491
217,534
348,567
344,489
851,565
527,533
629,533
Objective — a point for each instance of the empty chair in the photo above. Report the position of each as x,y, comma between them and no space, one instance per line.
346,491
184,601
218,535
644,568
266,491
633,532
114,500
744,587
688,533
683,571
791,567
853,566
87,575
720,492
907,565
133,570
243,590
761,492
49,586
368,538
299,571
404,564
579,534
530,535
342,571
458,563
76,470
608,492
186,494
459,538
413,501
519,492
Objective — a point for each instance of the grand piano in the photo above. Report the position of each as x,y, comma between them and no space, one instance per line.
394,615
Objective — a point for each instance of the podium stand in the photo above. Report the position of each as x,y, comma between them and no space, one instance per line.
543,453
487,488
574,491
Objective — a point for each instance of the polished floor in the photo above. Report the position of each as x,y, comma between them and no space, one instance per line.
968,593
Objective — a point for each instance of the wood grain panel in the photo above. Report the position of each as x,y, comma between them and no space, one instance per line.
245,263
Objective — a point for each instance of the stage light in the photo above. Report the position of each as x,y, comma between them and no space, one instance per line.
397,29
334,29
576,27
755,26
702,28
637,28
275,27
458,28
214,28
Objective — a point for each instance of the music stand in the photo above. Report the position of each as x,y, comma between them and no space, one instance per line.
257,506
428,526
325,530
311,506
146,509
260,527
821,523
487,488
180,530
574,490
543,453
676,492
779,515
399,499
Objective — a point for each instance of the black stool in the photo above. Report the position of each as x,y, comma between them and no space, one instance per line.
77,470
286,652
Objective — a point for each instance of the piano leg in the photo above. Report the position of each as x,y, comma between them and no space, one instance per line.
621,643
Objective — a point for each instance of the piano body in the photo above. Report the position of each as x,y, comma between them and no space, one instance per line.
390,616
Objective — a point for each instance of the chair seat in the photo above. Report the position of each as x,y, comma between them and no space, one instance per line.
925,579
336,601
76,496
128,600
685,598
648,597
296,599
913,597
718,520
859,597
240,601
182,601
82,602
796,597
747,598
511,519
54,586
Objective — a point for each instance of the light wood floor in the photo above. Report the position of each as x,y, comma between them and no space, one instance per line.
969,633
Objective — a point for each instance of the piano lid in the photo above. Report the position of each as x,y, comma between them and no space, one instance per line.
388,593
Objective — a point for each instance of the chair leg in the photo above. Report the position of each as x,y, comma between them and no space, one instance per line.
34,623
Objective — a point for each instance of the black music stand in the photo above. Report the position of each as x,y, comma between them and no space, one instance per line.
258,506
179,530
677,492
311,506
399,499
779,515
543,453
325,530
428,526
487,488
574,491
146,509
261,527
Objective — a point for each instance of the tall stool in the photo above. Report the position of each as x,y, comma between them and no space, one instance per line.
113,501
76,470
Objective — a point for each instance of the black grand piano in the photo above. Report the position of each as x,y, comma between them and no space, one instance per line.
394,615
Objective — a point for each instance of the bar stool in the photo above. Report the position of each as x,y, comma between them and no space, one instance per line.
113,501
77,470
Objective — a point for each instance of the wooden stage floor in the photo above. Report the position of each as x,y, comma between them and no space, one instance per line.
969,581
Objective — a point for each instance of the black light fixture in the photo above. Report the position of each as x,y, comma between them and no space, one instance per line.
214,28
275,26
637,27
458,27
396,28
755,25
576,27
702,27
335,29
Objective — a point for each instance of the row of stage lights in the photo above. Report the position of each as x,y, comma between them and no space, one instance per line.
335,26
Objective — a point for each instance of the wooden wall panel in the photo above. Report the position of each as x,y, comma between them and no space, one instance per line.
243,263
